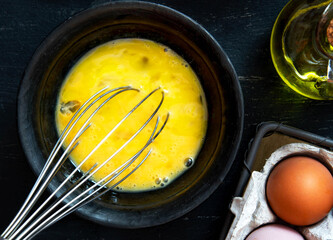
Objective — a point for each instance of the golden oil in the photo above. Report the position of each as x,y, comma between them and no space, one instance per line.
295,53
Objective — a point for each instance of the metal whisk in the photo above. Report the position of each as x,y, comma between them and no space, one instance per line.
28,223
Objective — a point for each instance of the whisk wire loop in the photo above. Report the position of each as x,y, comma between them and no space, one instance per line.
113,175
63,136
19,229
24,209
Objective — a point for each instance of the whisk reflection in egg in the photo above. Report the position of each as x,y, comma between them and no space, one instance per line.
28,223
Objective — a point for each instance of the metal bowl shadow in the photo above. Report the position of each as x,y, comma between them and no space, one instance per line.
90,28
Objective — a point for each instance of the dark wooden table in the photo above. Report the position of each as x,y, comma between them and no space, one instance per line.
243,29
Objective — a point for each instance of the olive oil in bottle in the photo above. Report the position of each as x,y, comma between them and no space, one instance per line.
298,48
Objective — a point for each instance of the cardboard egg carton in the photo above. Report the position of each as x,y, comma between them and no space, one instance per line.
252,210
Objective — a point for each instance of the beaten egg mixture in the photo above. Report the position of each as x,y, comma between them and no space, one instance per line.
144,65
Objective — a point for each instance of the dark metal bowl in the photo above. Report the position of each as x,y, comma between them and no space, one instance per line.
88,29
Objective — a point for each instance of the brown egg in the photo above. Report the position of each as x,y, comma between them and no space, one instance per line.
300,190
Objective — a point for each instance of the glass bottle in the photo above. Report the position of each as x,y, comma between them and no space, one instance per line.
301,49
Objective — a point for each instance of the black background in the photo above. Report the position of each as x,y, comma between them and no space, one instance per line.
242,27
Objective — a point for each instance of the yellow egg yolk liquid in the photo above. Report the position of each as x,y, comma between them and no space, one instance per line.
144,65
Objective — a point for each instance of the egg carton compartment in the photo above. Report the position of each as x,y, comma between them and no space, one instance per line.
272,143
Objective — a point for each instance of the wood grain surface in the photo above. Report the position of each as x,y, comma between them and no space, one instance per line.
242,27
